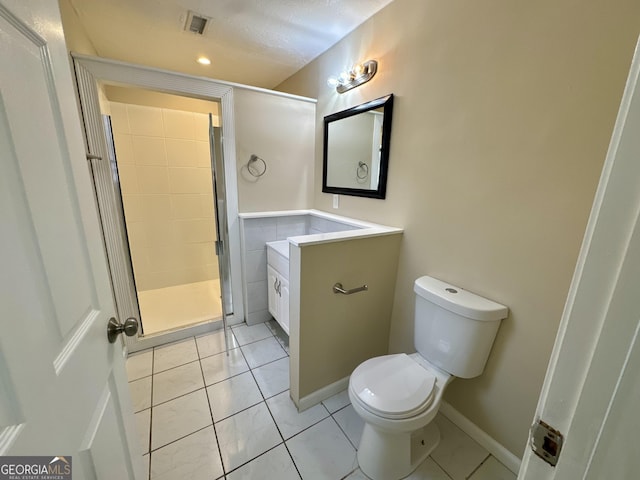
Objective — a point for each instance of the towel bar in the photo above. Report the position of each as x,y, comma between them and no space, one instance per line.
338,288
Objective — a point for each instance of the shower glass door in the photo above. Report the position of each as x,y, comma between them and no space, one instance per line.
222,231
166,227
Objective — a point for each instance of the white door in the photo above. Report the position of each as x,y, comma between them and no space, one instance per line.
591,392
63,390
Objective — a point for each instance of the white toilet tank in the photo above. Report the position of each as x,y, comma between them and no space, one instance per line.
454,329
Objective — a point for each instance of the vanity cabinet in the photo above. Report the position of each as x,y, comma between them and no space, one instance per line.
278,297
278,282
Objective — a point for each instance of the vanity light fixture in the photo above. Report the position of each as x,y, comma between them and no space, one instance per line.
203,61
356,76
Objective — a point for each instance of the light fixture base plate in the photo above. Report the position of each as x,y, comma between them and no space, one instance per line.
369,70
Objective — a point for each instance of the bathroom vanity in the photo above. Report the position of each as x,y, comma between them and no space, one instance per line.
278,282
292,260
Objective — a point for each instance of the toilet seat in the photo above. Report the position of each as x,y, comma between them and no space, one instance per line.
393,386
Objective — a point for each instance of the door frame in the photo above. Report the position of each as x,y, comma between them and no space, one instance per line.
91,70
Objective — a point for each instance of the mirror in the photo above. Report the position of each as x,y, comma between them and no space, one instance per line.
356,149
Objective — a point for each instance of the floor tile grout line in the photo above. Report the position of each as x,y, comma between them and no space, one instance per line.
141,378
256,382
271,333
254,458
352,472
239,411
311,426
274,420
292,459
234,341
263,364
180,396
284,442
286,355
262,340
346,436
213,423
342,429
305,428
260,366
438,464
478,466
173,368
253,341
218,353
180,438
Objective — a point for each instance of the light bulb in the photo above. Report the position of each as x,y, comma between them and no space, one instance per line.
332,81
344,77
204,61
358,70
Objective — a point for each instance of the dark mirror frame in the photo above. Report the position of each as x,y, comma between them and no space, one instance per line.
387,104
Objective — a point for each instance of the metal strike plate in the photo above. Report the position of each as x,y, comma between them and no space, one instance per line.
546,442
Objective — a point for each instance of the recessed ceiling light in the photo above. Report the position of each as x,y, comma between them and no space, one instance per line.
204,61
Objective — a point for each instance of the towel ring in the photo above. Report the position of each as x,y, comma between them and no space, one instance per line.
252,169
362,167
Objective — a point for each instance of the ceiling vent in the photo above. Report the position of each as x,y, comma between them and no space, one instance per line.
196,23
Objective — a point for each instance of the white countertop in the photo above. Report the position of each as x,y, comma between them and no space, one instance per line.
364,229
280,246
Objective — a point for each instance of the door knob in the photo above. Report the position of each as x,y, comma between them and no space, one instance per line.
115,328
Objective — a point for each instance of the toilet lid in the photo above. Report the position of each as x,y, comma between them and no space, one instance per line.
393,386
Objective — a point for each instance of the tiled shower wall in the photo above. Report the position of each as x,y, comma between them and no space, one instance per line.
256,233
165,176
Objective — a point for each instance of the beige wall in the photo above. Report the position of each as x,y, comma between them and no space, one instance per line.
280,131
502,118
165,177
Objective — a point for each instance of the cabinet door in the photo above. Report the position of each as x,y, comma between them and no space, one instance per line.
284,304
272,285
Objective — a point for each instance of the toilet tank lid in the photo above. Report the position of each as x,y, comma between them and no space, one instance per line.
458,300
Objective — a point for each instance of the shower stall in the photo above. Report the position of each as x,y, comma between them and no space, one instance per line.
160,185
164,169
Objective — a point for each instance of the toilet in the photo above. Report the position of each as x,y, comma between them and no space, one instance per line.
399,395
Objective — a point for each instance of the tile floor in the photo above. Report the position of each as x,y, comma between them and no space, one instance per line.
204,415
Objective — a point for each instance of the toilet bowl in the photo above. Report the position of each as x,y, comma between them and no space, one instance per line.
399,395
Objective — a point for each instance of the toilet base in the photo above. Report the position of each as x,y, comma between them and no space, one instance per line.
391,456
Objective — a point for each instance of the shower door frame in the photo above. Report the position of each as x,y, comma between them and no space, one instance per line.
92,70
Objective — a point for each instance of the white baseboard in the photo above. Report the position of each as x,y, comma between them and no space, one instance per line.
322,394
503,455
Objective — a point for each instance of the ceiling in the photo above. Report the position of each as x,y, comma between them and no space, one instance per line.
254,42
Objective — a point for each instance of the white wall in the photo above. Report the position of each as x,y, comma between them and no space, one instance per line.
281,131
